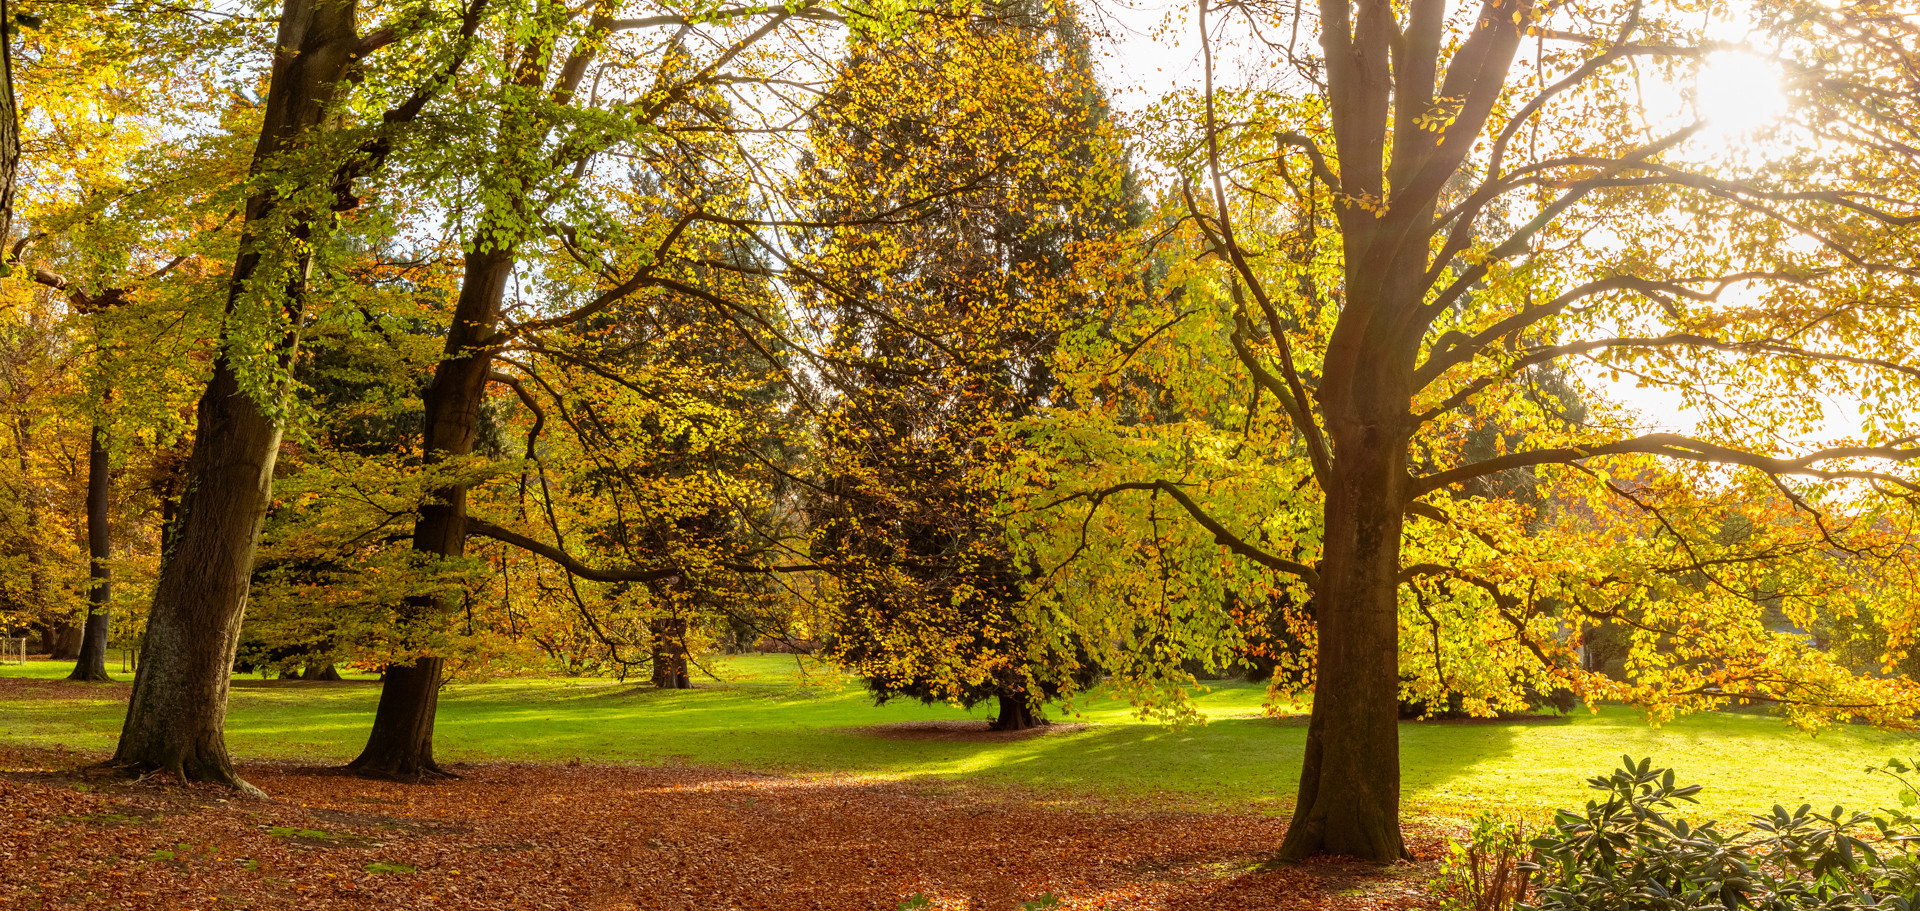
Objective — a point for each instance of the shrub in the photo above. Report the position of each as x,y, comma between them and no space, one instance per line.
1484,874
1628,853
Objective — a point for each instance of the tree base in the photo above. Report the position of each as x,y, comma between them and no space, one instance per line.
90,675
419,775
1016,715
400,748
182,772
324,672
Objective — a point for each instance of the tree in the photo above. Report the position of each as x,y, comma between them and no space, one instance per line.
964,167
534,172
175,719
1464,199
41,491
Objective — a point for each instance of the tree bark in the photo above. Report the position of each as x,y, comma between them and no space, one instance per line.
1349,798
92,663
401,744
1016,714
177,716
670,653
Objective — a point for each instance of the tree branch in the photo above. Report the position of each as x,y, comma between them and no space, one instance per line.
1676,446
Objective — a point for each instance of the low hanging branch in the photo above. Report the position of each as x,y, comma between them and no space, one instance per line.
1221,534
565,560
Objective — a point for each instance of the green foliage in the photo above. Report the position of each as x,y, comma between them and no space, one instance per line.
1628,852
1483,873
1909,792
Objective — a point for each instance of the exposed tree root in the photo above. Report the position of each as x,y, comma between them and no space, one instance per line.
198,773
430,773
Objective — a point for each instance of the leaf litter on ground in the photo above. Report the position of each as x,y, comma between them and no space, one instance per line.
636,838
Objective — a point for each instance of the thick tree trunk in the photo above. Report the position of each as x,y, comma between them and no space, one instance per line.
176,719
320,670
1016,714
670,653
92,663
177,716
401,745
1349,800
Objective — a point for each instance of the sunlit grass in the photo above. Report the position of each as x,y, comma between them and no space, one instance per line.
762,720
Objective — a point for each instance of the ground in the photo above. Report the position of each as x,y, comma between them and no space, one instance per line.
772,788
523,836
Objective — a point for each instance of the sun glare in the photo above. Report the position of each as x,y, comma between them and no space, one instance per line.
1739,93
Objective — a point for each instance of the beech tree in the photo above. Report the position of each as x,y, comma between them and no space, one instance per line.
563,97
302,174
97,241
1456,199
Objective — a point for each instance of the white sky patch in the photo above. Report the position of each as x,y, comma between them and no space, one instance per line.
1738,93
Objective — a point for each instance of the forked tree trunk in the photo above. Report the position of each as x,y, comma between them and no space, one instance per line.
92,663
1016,714
401,744
176,718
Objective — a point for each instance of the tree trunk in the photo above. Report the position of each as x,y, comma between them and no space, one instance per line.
92,664
176,718
320,670
670,653
1016,714
62,640
1349,800
401,744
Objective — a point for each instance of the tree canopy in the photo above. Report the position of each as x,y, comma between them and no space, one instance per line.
1437,355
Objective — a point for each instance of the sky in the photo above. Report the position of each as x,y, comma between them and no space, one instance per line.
1148,48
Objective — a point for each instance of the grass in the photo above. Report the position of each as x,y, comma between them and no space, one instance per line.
765,718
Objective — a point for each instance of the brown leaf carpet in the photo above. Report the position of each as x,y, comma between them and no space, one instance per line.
512,836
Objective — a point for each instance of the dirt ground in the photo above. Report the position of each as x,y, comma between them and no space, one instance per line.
514,836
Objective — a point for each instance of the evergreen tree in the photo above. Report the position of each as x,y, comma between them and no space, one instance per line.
972,163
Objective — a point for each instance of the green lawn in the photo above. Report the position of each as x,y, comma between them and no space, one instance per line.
762,719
